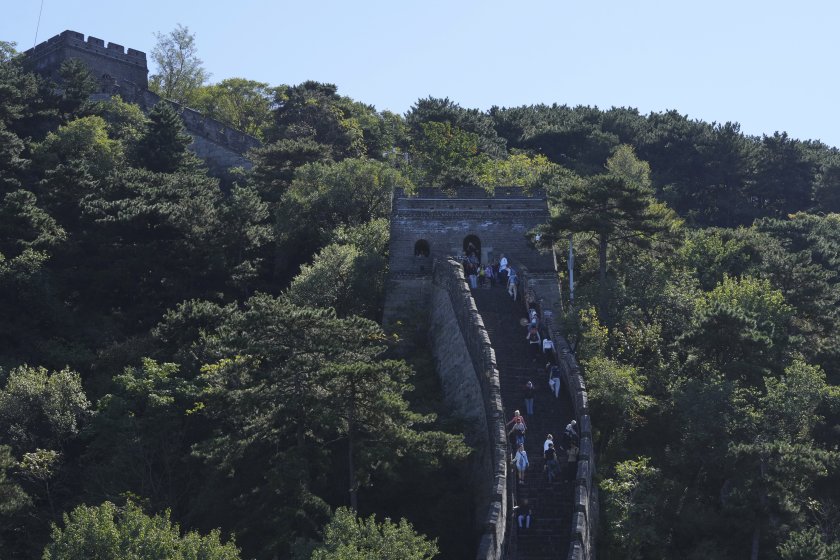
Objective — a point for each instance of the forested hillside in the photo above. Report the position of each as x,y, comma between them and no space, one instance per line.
202,362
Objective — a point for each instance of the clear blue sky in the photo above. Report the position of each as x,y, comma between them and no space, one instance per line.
768,65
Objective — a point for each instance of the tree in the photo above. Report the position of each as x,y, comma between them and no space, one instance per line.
348,274
243,104
108,532
14,501
616,395
163,146
315,111
279,393
616,207
348,538
322,197
446,111
41,409
85,140
520,170
808,544
633,510
141,436
448,156
77,84
179,70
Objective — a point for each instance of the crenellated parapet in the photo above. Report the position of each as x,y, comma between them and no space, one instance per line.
108,61
124,72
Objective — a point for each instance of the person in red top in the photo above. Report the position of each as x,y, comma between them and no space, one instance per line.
517,418
518,428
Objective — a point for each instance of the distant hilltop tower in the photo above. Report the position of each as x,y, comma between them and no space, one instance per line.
115,69
125,73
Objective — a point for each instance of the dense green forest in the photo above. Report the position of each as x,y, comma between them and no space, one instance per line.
201,363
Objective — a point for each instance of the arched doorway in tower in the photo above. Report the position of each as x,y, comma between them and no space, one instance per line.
472,246
422,249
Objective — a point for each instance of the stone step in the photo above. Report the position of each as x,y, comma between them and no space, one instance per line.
518,362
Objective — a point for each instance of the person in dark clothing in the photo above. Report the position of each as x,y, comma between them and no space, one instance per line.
523,515
529,398
552,467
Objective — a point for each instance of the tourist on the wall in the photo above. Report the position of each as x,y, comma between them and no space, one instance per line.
520,460
533,338
518,430
570,435
523,515
469,270
552,466
548,345
512,283
503,271
529,398
553,378
489,275
548,439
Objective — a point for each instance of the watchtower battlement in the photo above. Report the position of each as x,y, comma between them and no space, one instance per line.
125,73
111,62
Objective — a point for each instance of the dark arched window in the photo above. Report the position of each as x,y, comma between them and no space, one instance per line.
472,246
422,249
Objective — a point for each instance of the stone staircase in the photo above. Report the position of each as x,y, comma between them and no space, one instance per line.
518,362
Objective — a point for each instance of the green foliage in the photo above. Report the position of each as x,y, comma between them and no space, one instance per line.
616,396
348,275
756,299
243,104
126,121
322,197
85,139
448,156
347,537
39,409
23,225
180,73
807,545
77,84
632,510
284,381
314,111
163,145
790,403
616,209
107,532
712,253
142,432
520,170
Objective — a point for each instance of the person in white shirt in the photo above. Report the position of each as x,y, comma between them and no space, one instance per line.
548,439
548,345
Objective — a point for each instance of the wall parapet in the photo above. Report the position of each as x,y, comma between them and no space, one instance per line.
585,495
448,275
77,40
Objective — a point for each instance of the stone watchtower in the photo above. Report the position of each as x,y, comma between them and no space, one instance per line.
115,69
125,73
435,225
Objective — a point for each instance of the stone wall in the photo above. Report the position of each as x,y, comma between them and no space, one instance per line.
219,145
111,60
125,73
499,221
467,368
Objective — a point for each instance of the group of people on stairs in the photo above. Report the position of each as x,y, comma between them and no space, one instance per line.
559,460
489,275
